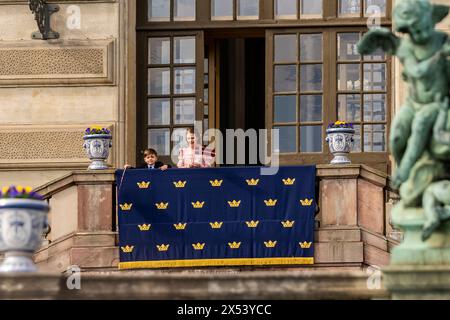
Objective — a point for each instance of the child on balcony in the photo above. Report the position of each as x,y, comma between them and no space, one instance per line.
194,155
151,161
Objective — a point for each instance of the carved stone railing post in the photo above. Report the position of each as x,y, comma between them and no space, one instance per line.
42,12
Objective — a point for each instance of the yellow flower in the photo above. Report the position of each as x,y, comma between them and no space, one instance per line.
28,189
5,190
19,189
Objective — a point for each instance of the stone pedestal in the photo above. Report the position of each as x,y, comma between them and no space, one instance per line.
414,251
419,269
414,282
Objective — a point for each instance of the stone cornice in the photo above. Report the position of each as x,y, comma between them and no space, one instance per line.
353,171
76,178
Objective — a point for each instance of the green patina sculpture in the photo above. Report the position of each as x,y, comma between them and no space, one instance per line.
420,134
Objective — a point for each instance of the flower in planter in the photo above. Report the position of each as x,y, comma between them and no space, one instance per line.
96,130
340,124
19,192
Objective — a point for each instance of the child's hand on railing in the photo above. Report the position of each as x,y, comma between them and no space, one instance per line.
164,167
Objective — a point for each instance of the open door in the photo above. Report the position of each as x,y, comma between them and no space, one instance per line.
239,91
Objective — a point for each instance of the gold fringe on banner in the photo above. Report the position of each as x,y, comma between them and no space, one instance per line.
214,263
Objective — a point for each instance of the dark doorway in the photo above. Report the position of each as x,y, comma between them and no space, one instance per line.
242,88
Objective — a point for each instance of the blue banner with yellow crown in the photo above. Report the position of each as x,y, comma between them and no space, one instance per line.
215,217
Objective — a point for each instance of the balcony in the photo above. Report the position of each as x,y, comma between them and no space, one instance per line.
352,228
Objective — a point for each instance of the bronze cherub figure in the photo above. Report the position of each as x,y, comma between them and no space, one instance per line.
422,157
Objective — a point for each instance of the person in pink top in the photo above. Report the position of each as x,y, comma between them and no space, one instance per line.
194,155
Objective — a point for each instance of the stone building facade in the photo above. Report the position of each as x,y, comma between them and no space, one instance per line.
97,73
50,91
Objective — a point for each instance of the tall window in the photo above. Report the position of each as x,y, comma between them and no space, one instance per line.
298,92
171,90
362,93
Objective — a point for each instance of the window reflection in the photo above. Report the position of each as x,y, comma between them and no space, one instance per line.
158,81
349,107
159,139
311,108
310,47
374,107
374,76
349,78
285,109
286,78
184,111
374,138
288,139
184,50
311,8
184,10
222,9
158,10
311,77
311,139
374,7
159,50
347,46
286,9
159,112
247,9
285,48
184,80
349,8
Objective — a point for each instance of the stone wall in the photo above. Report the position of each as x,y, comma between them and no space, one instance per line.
50,91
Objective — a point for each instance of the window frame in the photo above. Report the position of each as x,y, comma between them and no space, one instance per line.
329,26
266,17
379,160
142,87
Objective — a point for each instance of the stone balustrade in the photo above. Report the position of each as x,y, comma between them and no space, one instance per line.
352,224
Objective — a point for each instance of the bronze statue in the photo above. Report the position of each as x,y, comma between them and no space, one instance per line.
420,134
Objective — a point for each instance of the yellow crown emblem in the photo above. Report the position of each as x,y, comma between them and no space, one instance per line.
198,246
198,204
163,247
305,245
162,205
143,185
270,202
180,184
288,181
216,183
126,206
144,227
216,225
180,226
234,203
287,224
252,224
252,182
306,202
270,244
234,245
127,249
